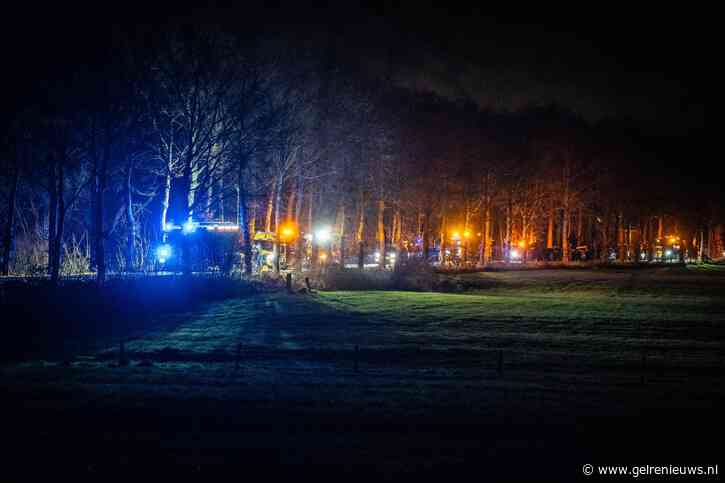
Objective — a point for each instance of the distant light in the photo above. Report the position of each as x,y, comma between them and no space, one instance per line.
515,255
377,256
323,235
169,226
668,253
270,257
522,244
163,253
456,236
323,256
189,227
466,234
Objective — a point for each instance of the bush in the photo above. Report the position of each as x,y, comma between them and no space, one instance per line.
338,278
413,275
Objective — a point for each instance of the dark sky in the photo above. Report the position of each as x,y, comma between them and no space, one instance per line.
597,60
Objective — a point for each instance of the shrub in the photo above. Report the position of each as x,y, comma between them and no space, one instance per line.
337,278
415,275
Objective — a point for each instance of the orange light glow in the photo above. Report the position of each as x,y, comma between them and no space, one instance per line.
522,244
323,256
288,232
467,234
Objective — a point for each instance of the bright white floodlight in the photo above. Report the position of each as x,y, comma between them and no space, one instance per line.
323,235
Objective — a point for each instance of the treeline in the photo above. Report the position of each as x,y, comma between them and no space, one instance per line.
199,124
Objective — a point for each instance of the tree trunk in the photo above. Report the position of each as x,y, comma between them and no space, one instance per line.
443,234
488,253
620,238
244,225
466,232
99,184
252,215
291,205
52,209
314,247
360,235
59,224
483,256
509,227
381,231
131,221
426,235
188,197
394,229
275,228
550,230
165,200
579,226
220,203
524,234
9,236
341,231
270,210
299,247
565,215
193,188
167,184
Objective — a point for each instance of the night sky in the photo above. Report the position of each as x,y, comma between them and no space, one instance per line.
644,66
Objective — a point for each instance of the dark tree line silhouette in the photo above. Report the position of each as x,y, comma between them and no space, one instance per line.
197,124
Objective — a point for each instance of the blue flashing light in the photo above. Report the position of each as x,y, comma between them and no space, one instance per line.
163,253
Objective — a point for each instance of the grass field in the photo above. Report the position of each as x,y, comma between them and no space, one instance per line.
542,366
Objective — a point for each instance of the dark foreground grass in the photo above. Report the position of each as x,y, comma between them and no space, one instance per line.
508,384
59,321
